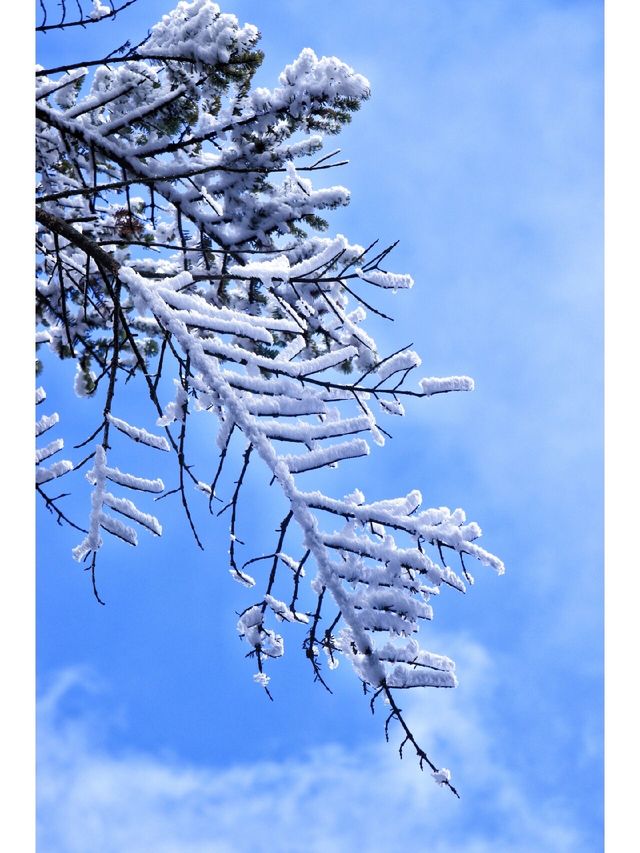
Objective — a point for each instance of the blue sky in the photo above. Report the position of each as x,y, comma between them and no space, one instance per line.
481,149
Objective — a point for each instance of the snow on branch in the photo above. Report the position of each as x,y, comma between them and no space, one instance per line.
98,476
434,385
45,474
200,32
159,442
388,280
178,250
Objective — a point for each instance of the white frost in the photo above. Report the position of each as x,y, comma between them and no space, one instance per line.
442,776
99,10
159,442
434,385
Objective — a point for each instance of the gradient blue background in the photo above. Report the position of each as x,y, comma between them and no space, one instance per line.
481,149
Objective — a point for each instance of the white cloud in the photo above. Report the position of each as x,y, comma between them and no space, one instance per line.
331,800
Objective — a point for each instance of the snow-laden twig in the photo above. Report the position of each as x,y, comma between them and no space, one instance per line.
387,598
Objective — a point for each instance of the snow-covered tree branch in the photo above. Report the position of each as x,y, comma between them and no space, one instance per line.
177,240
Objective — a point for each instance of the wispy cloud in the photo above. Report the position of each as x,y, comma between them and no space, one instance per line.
332,799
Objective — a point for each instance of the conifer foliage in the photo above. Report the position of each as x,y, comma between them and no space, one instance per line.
178,236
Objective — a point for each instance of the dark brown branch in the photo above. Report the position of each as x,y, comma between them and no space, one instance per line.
396,713
233,503
113,371
92,568
283,533
182,467
50,503
89,247
296,580
63,296
223,455
310,643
